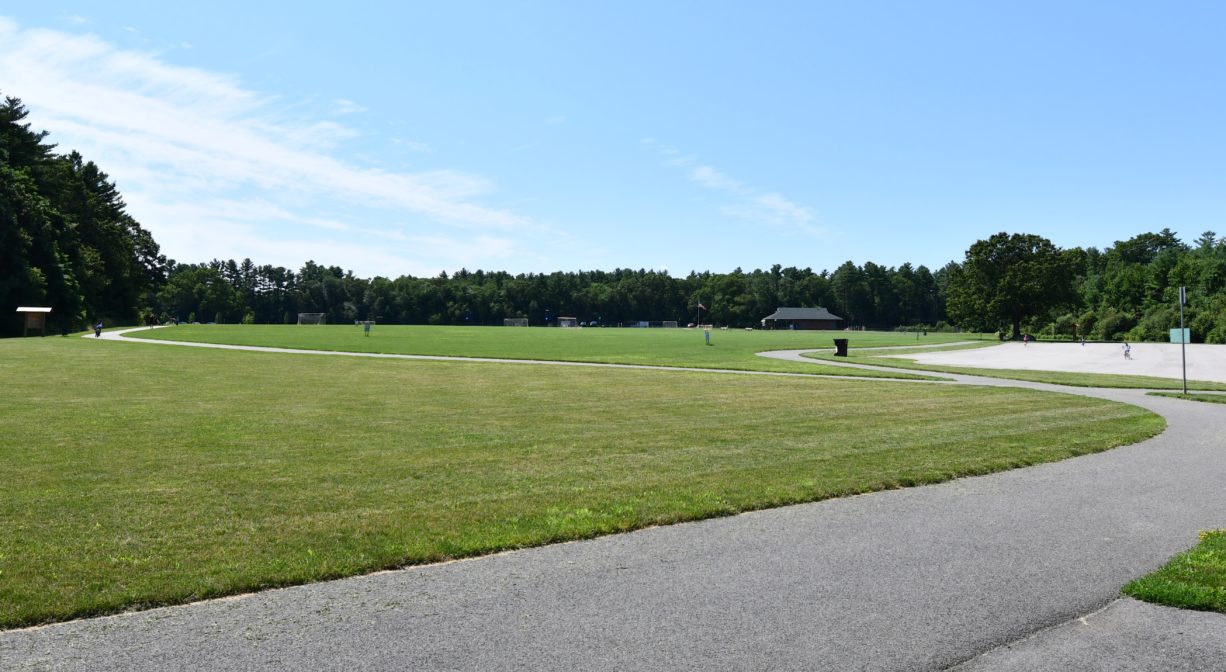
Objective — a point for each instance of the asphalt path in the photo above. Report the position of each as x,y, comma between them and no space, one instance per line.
1018,570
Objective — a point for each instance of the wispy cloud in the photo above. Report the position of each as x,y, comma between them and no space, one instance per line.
411,145
785,208
775,210
485,247
196,153
344,106
751,204
713,179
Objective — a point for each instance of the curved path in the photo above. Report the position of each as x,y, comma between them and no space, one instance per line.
1018,570
118,335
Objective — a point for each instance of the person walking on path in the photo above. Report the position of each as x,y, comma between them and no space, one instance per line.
1127,350
1025,340
98,329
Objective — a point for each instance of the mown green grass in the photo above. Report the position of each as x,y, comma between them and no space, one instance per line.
1053,377
1195,579
138,475
731,349
892,351
1207,398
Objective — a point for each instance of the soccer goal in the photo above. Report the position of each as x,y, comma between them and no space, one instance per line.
312,318
515,322
669,324
568,321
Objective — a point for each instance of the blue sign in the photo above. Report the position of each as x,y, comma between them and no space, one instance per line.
1181,335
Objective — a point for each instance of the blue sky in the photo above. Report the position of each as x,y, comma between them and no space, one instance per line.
412,138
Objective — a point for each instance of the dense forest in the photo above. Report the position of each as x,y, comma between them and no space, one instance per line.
67,242
65,238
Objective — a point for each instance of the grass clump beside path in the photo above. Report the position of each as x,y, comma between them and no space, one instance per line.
730,349
1195,579
140,475
1071,379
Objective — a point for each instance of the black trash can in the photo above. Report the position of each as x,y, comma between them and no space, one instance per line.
840,347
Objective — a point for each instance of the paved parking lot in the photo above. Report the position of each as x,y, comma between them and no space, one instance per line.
1205,362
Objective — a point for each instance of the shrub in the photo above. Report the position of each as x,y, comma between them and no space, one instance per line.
1114,325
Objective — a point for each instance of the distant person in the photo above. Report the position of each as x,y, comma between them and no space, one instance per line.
1083,341
1025,340
98,329
1127,350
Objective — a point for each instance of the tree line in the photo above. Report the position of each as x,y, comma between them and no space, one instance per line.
230,291
1129,291
66,241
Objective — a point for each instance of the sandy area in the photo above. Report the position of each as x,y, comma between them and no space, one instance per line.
1205,362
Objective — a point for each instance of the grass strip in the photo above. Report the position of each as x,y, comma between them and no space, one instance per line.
896,350
137,476
731,349
1194,579
1207,398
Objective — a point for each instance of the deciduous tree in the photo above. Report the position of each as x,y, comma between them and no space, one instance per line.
1008,278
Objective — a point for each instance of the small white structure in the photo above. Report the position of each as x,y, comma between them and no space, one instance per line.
568,321
36,318
515,322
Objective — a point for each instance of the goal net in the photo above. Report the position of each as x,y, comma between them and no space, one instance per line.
669,324
515,322
312,318
568,321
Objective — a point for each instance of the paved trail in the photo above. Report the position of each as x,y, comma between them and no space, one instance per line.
989,573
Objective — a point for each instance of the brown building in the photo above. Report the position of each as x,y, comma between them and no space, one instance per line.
802,318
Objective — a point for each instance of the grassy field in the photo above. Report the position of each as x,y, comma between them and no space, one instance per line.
731,349
137,476
1054,377
1195,579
